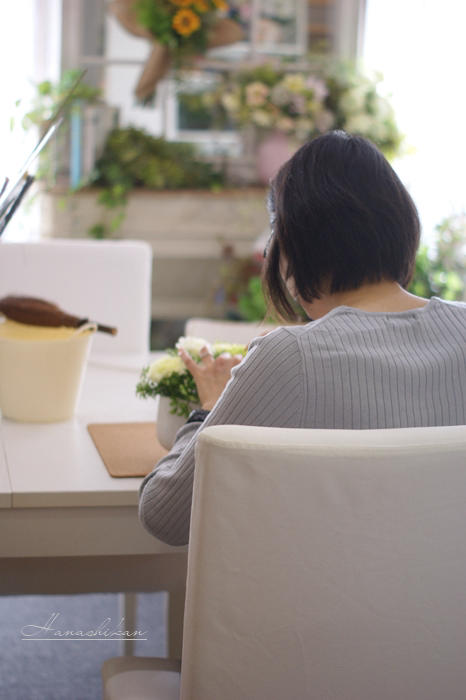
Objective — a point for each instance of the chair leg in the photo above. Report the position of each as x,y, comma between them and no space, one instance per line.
128,603
175,622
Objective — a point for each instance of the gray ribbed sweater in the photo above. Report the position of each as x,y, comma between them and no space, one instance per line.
349,369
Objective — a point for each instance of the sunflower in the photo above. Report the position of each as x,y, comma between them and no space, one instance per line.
220,4
185,22
182,3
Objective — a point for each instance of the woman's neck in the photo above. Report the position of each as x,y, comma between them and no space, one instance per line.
379,296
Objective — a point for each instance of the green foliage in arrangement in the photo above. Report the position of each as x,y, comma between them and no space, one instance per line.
133,158
180,388
155,17
181,26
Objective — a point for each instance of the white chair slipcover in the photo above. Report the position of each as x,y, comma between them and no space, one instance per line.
138,678
324,564
107,281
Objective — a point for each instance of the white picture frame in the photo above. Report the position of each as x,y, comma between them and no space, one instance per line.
271,27
211,141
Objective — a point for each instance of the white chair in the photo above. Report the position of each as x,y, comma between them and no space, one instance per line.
322,564
214,330
107,281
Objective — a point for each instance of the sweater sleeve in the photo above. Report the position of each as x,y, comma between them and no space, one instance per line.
265,389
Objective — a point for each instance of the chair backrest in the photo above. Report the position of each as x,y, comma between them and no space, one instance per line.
107,281
214,330
327,564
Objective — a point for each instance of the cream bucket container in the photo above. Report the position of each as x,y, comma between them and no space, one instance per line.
41,370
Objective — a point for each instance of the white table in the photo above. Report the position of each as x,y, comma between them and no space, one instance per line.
69,527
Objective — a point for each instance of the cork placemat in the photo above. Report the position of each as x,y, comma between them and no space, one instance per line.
127,449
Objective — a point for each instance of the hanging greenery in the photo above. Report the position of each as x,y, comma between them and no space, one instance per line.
133,159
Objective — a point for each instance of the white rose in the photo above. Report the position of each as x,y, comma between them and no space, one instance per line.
192,345
166,365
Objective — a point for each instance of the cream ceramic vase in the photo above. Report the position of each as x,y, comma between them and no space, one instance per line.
168,424
41,370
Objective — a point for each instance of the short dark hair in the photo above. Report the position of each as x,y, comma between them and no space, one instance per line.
341,217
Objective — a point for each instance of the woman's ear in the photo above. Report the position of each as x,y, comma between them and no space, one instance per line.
291,287
288,278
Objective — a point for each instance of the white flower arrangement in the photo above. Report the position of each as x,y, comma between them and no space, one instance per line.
168,376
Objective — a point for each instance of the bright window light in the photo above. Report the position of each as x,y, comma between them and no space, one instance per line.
29,52
419,47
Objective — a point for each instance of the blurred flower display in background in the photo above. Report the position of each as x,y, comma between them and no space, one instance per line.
331,95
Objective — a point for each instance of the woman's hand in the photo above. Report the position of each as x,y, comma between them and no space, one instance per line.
211,375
